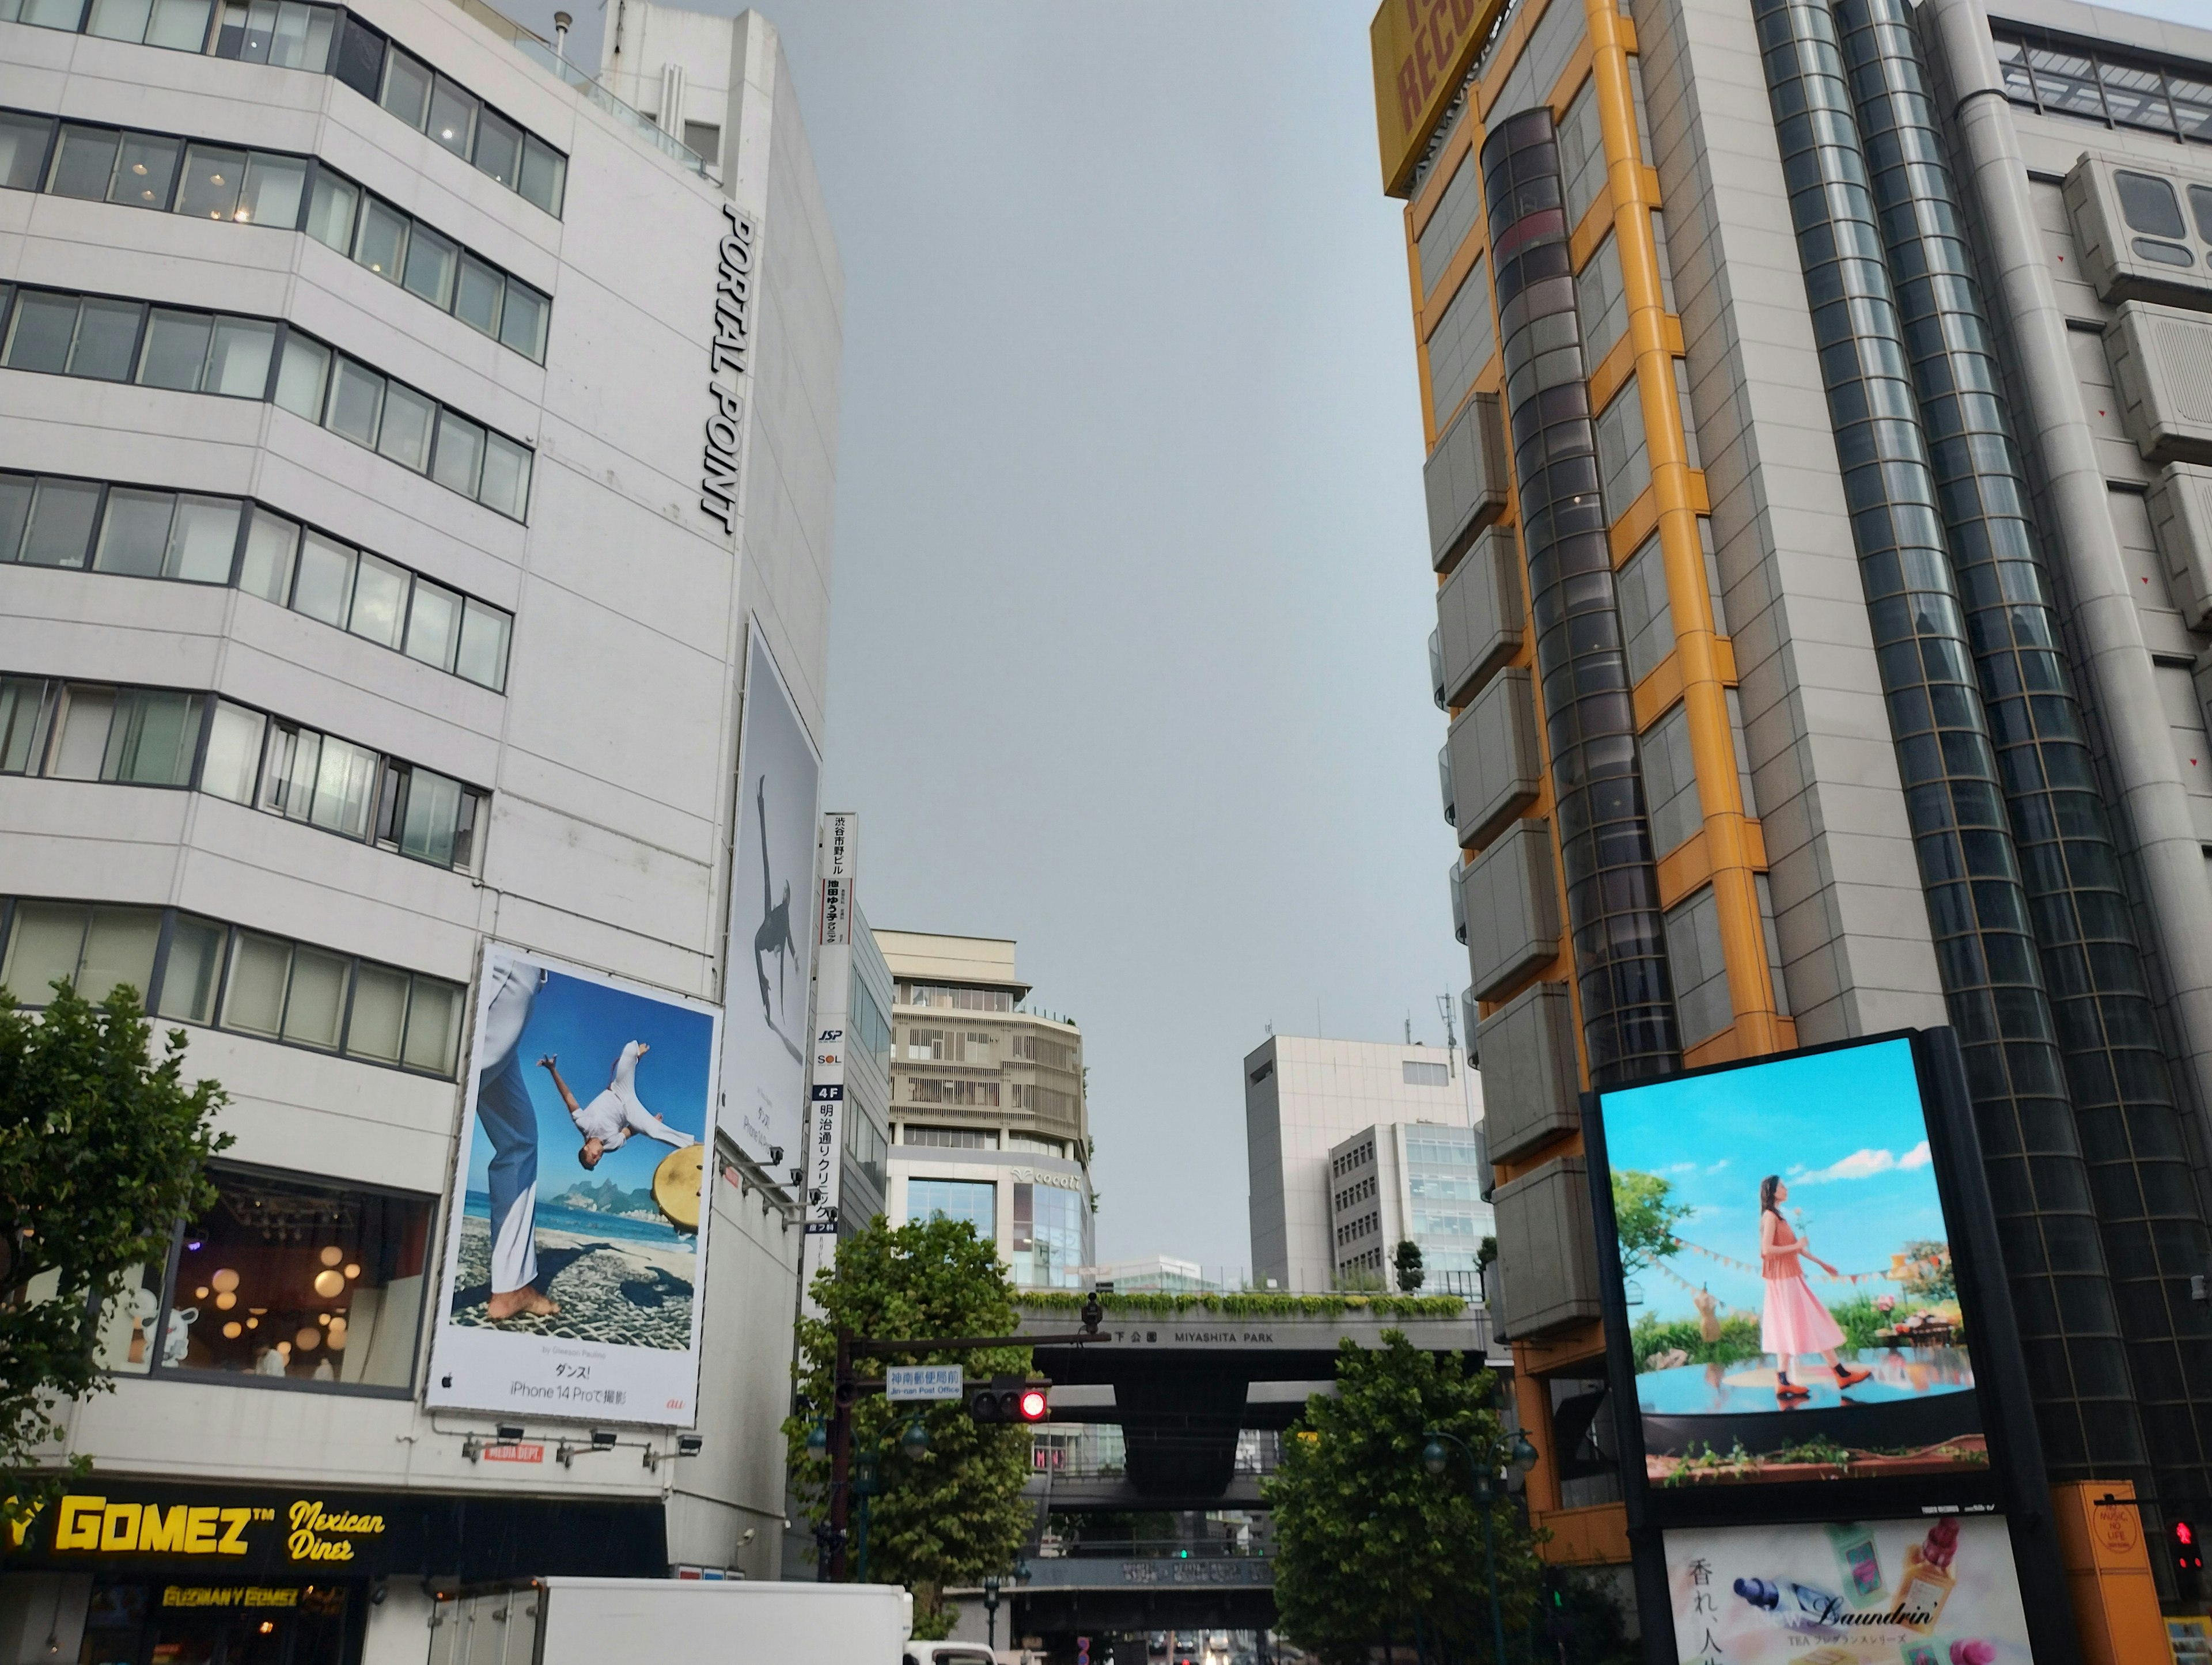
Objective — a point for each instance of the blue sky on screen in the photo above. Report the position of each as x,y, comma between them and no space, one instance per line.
587,1024
1844,1129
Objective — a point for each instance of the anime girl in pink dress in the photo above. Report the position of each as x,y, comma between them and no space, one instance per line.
1793,1321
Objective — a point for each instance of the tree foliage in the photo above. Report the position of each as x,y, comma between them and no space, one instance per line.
1929,1274
1368,1543
102,1150
955,1513
1644,1219
1406,1261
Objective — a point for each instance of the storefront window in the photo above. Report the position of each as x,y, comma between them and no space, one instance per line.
973,1200
129,1333
307,1283
185,1624
1048,1237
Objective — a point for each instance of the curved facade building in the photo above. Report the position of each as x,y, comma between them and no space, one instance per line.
403,441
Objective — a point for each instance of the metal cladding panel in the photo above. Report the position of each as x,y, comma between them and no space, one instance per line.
2161,255
2162,365
2180,501
1546,1248
1465,476
1529,1085
1480,617
1512,908
1495,766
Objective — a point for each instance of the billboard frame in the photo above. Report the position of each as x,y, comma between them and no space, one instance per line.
2015,1482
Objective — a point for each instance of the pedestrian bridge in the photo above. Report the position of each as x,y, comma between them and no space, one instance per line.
1104,1594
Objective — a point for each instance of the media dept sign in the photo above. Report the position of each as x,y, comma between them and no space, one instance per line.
1820,1360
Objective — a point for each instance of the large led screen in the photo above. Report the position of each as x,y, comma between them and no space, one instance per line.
1791,1305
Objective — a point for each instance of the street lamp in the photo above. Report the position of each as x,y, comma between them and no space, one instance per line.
1519,1457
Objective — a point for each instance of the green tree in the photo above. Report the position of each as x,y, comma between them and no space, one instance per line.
1928,1275
1406,1261
1646,1220
1368,1543
102,1150
954,1513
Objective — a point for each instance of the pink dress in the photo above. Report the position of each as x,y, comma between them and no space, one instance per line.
1793,1321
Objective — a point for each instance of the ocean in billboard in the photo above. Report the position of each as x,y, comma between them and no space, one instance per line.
772,923
1939,1591
1792,1304
575,1255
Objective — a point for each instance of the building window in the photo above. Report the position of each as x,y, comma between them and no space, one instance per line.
975,1201
1426,1075
1047,1246
872,1034
950,998
1670,779
1646,618
1693,951
703,139
309,1284
1624,461
1045,1050
1454,217
102,339
865,1145
196,970
1045,1101
952,1138
1050,1147
1463,342
1601,301
979,1095
2060,76
1582,154
48,520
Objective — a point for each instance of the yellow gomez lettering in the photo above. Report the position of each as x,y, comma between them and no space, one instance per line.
160,1532
119,1527
234,1537
199,1530
78,1526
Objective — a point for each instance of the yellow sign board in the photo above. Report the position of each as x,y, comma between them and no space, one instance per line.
1422,49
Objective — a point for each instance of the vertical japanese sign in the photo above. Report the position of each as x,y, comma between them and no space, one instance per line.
833,1002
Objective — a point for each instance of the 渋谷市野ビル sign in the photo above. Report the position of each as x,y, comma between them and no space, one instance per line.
731,351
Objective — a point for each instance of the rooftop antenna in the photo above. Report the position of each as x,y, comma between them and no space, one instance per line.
1409,1028
1444,1004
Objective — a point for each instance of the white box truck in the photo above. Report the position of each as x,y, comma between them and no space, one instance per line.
674,1621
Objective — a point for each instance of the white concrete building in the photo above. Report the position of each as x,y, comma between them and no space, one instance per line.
385,506
1302,1098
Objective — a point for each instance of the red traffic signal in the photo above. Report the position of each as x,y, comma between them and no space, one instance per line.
1011,1399
2187,1556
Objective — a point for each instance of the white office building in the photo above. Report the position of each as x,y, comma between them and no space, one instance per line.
1302,1099
403,441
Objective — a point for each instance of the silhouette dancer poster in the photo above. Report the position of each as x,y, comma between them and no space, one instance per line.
770,962
575,1249
1793,1312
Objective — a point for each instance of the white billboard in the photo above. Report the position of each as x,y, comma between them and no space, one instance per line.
833,1005
770,958
576,1245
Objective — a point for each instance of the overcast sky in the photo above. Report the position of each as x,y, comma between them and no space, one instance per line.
1128,656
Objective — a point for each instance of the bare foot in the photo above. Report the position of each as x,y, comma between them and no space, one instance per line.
508,1303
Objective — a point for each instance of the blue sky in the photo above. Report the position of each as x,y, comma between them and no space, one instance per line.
1843,1128
586,1025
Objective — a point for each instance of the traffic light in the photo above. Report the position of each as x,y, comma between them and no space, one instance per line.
2188,1557
1011,1399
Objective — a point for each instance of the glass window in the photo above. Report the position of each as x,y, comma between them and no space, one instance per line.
246,30
406,88
234,752
482,657
1582,154
1693,949
176,350
181,25
356,402
360,62
433,816
202,540
2149,203
345,787
305,371
433,624
405,435
1670,780
379,600
302,1282
452,116
378,1019
1601,301
522,326
44,945
499,149
153,738
106,340
238,358
62,514
545,175
1624,463
15,510
383,242
1647,619
2200,206
302,39
506,485
134,532
2135,97
325,588
254,999
314,1006
270,544
274,185
191,973
214,178
23,701
331,212
703,139
85,717
119,20
39,335
85,163
146,171
461,453
476,299
429,270
23,142
118,949
975,1201
434,1026
53,14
